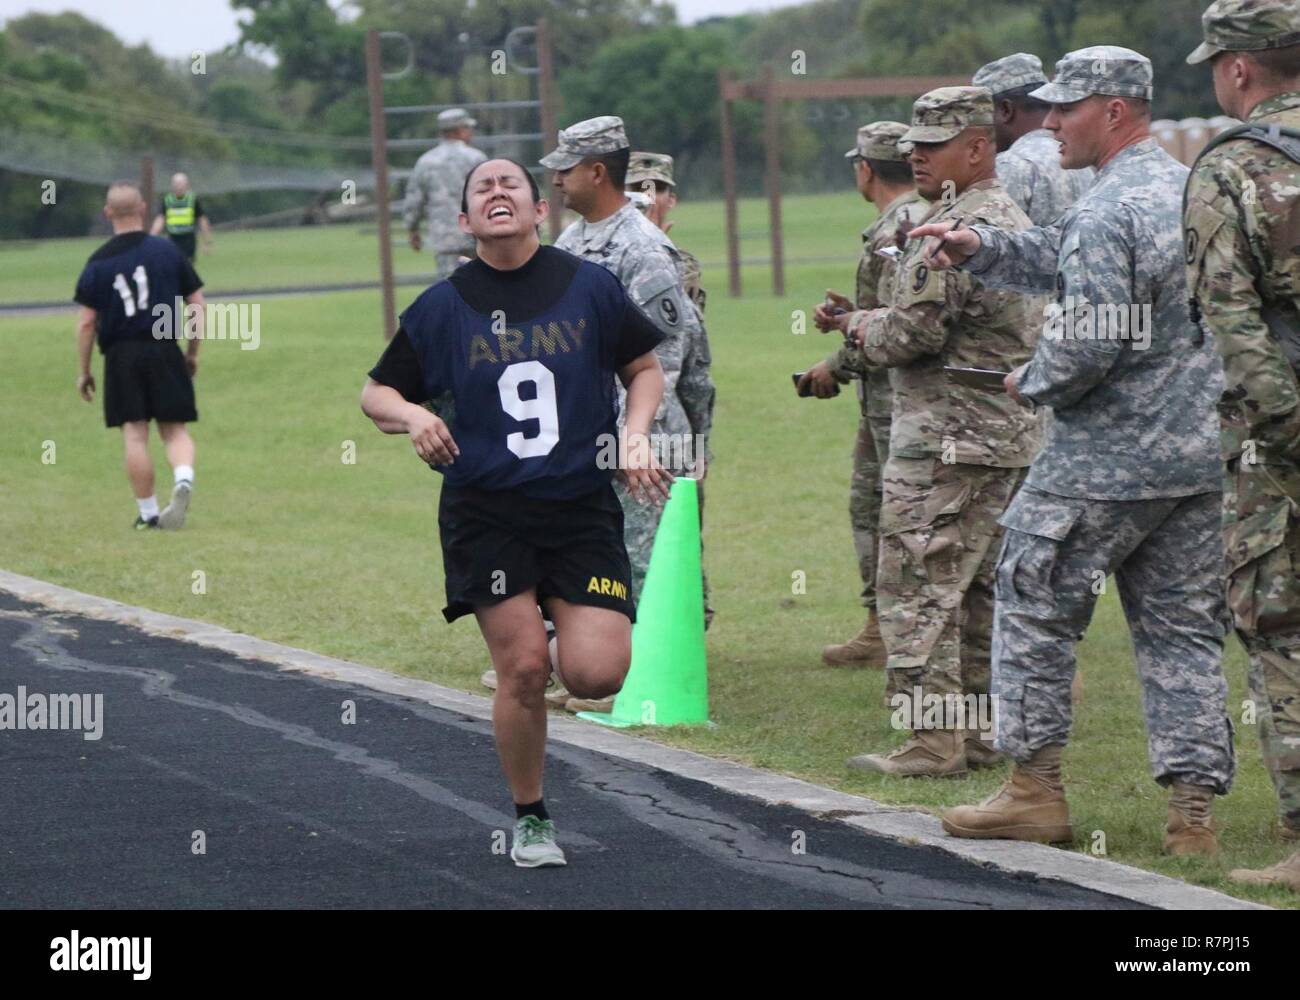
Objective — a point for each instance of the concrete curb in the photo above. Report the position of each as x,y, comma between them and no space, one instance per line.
908,826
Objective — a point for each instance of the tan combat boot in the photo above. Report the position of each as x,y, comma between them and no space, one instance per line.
866,648
1030,805
1284,873
928,753
602,705
979,750
1190,829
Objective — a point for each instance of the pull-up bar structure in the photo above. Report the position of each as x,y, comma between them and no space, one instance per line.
771,92
380,144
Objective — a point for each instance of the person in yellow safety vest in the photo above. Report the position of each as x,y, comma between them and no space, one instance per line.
180,215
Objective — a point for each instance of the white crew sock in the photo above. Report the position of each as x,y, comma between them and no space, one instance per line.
148,507
184,474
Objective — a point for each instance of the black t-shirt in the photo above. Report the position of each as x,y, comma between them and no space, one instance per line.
529,357
129,281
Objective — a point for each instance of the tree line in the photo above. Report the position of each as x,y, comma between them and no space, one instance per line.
69,77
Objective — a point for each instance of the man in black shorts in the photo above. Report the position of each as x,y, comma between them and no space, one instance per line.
526,339
129,294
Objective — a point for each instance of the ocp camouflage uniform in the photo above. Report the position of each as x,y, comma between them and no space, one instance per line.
1127,482
689,267
433,192
874,290
1242,229
956,453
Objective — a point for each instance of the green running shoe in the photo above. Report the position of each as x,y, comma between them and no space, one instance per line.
142,525
534,844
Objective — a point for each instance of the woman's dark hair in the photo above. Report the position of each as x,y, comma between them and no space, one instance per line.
532,182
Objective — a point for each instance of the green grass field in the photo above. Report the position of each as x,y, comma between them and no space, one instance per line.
46,270
300,548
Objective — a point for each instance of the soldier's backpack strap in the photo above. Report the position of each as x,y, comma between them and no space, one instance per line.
1287,142
1284,140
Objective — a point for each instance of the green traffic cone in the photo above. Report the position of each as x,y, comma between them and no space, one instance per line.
668,683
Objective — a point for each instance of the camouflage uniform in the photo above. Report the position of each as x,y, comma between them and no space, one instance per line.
956,454
643,170
645,261
646,167
874,290
433,190
1128,479
1030,169
1242,224
689,266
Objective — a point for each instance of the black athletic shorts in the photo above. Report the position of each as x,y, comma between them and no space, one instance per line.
499,543
147,380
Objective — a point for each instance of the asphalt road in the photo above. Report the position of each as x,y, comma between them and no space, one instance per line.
402,808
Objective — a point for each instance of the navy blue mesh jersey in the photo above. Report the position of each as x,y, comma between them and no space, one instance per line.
528,357
127,279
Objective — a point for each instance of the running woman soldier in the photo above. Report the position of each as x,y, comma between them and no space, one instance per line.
527,339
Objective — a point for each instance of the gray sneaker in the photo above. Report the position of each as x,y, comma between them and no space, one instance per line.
534,844
173,515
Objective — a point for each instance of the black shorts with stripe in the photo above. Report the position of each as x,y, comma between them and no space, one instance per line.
499,543
147,380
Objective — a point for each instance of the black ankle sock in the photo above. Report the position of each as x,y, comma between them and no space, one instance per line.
537,809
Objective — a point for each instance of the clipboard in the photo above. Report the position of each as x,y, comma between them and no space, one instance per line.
984,379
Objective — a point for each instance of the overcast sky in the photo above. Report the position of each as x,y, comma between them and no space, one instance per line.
211,24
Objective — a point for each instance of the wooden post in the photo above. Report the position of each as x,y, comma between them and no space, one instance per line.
729,184
550,110
146,189
772,138
379,161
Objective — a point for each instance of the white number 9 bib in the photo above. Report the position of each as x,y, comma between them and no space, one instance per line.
542,409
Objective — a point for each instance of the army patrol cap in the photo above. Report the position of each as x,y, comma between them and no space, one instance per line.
644,167
1111,70
880,141
1021,69
1247,26
943,114
593,137
454,118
